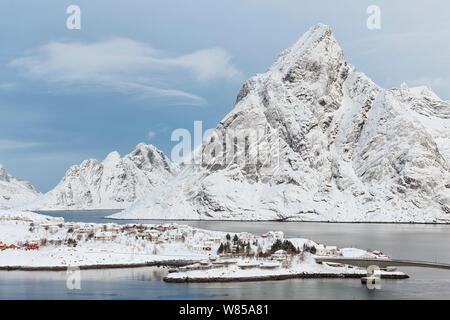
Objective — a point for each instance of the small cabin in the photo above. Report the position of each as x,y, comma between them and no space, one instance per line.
279,255
72,225
104,236
86,229
275,235
322,250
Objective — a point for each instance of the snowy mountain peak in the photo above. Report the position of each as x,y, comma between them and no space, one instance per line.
419,92
347,150
313,69
143,145
13,191
423,100
149,158
114,183
312,50
112,159
3,174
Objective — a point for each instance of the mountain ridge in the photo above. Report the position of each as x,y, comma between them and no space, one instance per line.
114,183
348,149
14,191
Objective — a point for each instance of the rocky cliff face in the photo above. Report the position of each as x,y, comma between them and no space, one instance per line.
15,192
114,183
330,145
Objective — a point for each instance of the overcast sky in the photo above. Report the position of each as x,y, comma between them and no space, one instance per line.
137,69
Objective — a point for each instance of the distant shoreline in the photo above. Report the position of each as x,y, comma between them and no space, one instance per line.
217,220
292,221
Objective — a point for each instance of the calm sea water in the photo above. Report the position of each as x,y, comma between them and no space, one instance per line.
407,241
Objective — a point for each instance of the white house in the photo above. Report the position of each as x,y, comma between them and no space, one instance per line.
322,250
175,236
152,235
104,236
279,255
113,227
198,248
275,235
86,229
72,225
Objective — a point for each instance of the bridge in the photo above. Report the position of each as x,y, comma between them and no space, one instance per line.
382,263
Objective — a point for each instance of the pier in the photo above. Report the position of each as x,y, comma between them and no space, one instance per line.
382,263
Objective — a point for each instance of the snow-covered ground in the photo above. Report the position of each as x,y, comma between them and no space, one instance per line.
96,244
63,244
300,268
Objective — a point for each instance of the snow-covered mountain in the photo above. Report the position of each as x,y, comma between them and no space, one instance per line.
114,183
15,192
340,148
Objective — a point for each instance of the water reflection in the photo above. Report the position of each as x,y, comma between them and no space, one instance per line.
419,242
146,283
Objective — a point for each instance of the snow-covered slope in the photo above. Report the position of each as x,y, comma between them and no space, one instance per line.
340,148
114,183
15,192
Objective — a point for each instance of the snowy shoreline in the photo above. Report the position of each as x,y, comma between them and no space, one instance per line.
35,242
242,220
112,217
396,276
284,221
162,263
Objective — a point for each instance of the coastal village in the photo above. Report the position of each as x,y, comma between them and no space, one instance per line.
35,242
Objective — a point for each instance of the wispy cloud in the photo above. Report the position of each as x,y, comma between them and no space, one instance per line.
8,145
151,134
8,86
126,66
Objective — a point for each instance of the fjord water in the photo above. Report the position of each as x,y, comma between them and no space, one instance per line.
405,241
